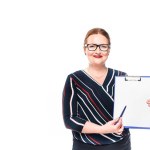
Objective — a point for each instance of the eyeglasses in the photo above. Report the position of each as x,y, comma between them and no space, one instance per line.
93,47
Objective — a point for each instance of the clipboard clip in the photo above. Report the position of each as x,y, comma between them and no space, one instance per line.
132,78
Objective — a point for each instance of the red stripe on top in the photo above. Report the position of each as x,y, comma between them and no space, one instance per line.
98,143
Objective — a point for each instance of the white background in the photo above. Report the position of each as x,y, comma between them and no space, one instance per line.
41,43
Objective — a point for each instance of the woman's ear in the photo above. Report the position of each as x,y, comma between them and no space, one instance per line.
84,50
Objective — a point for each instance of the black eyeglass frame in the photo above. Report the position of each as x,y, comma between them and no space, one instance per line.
98,45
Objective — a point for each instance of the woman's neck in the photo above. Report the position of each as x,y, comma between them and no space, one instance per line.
97,71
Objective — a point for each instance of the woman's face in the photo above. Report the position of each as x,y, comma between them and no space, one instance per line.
97,57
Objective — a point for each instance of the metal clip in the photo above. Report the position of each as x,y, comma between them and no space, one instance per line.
132,78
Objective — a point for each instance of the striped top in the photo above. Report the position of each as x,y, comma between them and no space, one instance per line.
84,99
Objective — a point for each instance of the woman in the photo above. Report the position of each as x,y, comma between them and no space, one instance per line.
88,100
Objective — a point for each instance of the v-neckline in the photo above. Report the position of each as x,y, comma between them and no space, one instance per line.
89,76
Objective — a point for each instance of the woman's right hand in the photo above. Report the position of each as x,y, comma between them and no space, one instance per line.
114,126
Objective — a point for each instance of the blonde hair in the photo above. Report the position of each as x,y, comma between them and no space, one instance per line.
97,31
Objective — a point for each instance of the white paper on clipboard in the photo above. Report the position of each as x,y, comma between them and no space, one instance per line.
132,91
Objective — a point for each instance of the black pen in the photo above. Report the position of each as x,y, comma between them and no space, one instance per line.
121,114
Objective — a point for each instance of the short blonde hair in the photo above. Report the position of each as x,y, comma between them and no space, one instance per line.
97,31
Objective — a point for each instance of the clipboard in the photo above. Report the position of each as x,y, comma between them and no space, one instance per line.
132,91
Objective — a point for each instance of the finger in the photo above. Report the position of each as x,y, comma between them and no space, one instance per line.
120,130
119,122
116,119
119,133
113,122
148,101
119,126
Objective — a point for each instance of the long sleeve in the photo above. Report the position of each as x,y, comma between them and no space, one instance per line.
69,103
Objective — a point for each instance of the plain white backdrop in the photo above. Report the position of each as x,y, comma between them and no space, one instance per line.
41,43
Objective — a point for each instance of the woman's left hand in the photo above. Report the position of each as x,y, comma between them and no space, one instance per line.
148,102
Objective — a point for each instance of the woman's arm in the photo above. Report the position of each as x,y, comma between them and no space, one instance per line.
69,107
110,127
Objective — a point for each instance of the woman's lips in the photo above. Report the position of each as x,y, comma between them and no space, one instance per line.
98,56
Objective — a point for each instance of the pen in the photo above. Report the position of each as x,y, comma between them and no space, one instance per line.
122,113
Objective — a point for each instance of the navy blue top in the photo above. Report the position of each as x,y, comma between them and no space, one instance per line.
84,99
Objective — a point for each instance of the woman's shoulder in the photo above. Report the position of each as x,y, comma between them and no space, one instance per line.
75,73
118,72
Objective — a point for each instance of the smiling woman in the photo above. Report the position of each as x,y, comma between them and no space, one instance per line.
88,100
